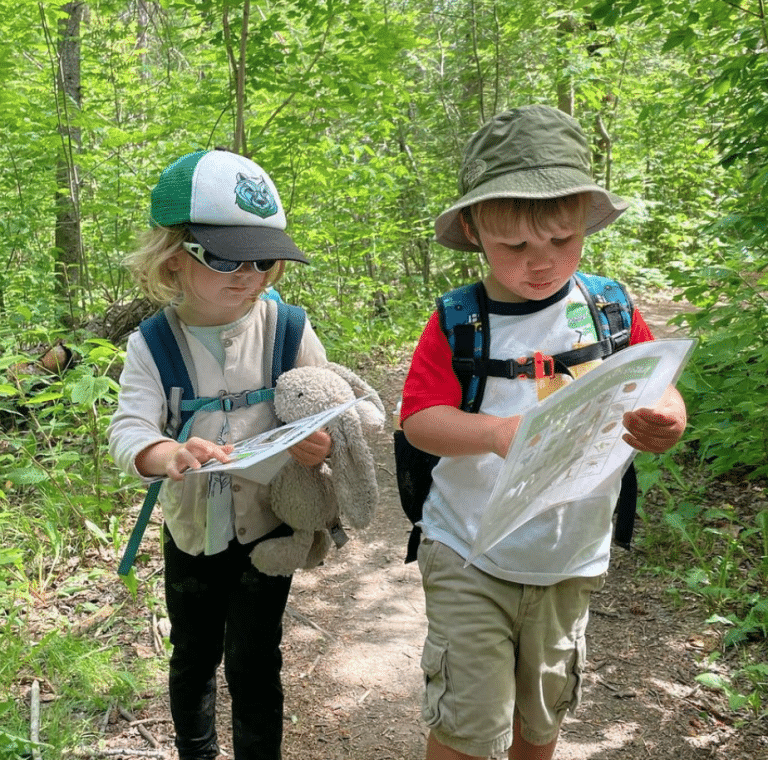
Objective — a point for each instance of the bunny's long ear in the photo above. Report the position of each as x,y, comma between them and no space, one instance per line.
358,385
353,471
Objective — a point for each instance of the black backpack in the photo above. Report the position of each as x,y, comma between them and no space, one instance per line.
463,317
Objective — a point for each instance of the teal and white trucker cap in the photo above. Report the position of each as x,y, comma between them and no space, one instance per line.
228,202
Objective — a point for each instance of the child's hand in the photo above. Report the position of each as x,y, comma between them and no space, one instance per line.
313,449
172,459
659,429
191,454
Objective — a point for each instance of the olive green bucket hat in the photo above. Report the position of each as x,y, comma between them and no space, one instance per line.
529,152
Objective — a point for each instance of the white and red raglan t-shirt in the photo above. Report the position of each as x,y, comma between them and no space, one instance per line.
566,541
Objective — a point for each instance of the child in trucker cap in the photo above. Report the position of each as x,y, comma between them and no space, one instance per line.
217,241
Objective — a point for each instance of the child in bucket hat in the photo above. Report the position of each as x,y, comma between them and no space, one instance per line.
217,241
505,644
528,153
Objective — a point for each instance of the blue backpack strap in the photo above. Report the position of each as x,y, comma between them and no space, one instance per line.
270,294
166,343
463,315
164,347
611,308
288,333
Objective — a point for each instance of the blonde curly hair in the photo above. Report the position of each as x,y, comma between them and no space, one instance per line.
149,268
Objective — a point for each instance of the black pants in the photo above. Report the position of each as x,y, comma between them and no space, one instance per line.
221,606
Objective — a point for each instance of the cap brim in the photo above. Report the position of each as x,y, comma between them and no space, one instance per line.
535,183
246,242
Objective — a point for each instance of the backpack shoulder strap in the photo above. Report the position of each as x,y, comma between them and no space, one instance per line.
611,308
168,346
284,328
289,330
463,315
270,294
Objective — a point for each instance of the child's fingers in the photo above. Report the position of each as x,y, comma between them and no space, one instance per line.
313,449
193,453
652,417
651,431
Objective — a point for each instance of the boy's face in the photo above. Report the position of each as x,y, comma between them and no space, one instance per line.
528,265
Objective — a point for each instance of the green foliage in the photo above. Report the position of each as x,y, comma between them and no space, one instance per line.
755,674
56,504
726,385
717,551
720,552
15,747
87,676
360,112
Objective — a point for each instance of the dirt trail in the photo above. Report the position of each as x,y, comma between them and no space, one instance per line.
355,628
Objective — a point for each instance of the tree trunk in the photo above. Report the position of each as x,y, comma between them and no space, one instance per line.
565,28
68,239
237,64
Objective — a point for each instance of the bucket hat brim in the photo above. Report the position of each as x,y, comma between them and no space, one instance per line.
246,242
536,183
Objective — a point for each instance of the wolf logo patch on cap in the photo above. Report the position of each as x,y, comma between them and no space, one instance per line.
253,194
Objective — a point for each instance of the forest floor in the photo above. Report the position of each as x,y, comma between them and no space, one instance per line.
353,637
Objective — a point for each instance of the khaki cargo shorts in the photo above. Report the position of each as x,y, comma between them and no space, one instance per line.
494,647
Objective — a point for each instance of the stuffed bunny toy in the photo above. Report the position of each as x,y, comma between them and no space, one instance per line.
312,500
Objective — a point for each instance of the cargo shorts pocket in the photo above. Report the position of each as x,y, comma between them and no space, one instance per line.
571,696
434,664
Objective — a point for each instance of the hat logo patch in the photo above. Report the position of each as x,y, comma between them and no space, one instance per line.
252,194
474,170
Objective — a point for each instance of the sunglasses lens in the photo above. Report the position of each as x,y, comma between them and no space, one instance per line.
225,266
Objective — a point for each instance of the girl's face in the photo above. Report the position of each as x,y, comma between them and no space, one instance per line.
527,265
213,298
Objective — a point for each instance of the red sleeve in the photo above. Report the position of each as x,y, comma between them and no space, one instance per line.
431,380
640,332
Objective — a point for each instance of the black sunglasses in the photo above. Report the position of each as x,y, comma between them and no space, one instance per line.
224,266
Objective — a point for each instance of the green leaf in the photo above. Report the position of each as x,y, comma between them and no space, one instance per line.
714,681
11,557
131,582
26,476
44,398
97,531
88,390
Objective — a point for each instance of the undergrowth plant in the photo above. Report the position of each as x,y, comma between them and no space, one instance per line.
718,552
57,504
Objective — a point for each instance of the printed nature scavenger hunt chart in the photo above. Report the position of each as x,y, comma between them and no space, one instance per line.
571,442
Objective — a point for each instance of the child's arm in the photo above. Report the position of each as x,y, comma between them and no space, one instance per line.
172,458
313,449
659,428
450,432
